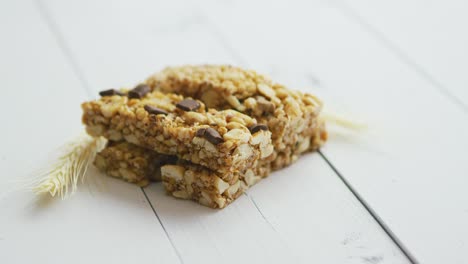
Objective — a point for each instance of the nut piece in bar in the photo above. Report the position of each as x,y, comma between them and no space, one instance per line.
231,147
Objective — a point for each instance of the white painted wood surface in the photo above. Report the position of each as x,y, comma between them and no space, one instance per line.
303,214
107,221
408,171
432,36
402,174
404,167
216,234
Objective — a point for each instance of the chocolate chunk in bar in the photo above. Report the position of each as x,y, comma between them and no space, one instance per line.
111,92
163,160
255,128
139,92
212,136
188,105
200,132
154,110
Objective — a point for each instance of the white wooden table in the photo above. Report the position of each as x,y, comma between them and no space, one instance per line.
396,193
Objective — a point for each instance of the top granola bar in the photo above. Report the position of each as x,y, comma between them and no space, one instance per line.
174,125
292,116
218,86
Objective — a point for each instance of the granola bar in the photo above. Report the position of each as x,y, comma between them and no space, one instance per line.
173,125
132,163
189,181
181,179
218,86
292,116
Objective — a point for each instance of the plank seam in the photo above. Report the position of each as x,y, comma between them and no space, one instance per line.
371,211
80,74
163,227
349,12
225,43
260,211
237,57
44,13
46,16
219,35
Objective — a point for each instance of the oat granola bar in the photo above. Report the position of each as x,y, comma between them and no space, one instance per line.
189,181
173,125
292,116
181,179
219,86
132,163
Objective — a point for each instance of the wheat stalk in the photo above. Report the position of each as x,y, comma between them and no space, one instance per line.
344,122
71,166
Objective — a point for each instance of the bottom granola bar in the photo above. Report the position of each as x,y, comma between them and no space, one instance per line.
181,179
132,163
194,182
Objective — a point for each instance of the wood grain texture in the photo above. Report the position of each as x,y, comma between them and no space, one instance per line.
410,166
107,221
319,220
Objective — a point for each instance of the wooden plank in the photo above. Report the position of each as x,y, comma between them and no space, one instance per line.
304,217
232,235
410,166
134,40
333,222
431,34
39,111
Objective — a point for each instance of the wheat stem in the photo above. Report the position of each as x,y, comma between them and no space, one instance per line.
343,122
63,175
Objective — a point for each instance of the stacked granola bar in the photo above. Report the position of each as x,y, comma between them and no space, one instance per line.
209,132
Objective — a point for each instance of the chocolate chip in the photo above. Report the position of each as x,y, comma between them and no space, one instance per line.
111,92
163,160
139,91
154,110
212,136
188,105
200,132
111,143
255,128
170,159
